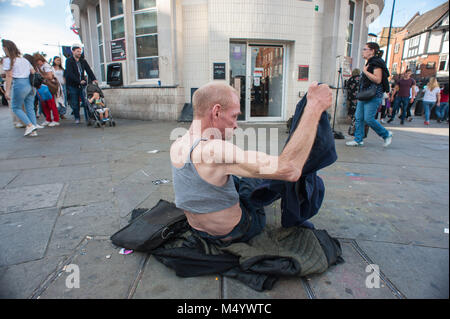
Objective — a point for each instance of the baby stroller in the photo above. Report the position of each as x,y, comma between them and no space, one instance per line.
92,112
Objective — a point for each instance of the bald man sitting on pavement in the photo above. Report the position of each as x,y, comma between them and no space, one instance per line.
205,165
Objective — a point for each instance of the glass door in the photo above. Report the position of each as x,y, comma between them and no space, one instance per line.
264,98
238,72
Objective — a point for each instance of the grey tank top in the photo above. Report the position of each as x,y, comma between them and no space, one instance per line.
196,195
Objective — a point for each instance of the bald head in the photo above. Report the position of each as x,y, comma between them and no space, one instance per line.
211,94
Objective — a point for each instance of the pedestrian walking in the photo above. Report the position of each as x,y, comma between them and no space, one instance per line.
373,84
352,89
402,89
18,87
61,98
442,110
432,95
74,73
52,83
410,104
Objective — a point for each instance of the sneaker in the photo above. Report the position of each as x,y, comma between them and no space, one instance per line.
77,121
390,120
409,119
54,124
354,143
19,125
29,130
383,121
388,140
38,126
45,123
34,133
426,123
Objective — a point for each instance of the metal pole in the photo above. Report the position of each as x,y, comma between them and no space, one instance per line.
389,36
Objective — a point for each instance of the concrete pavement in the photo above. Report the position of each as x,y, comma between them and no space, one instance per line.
65,192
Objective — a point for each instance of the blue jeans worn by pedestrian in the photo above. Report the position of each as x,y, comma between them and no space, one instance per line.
22,93
365,113
427,107
400,102
75,95
441,111
253,217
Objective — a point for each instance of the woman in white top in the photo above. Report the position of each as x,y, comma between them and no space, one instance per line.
58,70
18,88
432,94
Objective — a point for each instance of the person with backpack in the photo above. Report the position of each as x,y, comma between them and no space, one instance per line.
374,82
18,87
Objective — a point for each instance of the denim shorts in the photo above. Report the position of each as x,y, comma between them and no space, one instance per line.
253,217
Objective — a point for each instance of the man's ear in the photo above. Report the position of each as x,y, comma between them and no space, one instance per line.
215,111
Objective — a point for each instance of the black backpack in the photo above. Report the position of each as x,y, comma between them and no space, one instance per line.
36,80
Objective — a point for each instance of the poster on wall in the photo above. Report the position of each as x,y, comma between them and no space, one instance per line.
118,51
219,71
303,72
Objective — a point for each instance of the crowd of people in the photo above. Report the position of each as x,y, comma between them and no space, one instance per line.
389,99
28,98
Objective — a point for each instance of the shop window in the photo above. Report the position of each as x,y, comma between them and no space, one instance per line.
146,35
100,43
117,20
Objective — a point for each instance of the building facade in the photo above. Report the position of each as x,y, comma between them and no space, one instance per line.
270,51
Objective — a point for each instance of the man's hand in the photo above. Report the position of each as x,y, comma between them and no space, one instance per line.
82,82
319,97
95,82
412,100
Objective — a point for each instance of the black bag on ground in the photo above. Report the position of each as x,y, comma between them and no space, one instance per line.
151,228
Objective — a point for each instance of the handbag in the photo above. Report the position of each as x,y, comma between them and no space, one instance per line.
367,94
151,228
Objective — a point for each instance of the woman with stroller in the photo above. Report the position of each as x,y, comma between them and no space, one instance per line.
18,88
52,83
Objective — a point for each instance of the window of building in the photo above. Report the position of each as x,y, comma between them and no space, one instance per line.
446,36
100,42
350,27
397,47
431,65
413,48
117,19
146,34
443,62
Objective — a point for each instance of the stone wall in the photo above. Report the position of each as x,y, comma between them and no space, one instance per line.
155,103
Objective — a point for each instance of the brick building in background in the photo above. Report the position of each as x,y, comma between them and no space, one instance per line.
421,45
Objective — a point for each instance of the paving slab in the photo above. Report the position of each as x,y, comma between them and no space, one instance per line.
347,280
20,281
7,177
74,223
24,235
100,277
87,191
29,197
284,288
418,272
29,163
158,282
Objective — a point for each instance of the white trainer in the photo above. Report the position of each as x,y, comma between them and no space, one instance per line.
34,133
39,126
45,123
53,124
29,130
388,140
354,143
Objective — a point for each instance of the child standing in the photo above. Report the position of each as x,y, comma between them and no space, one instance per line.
48,106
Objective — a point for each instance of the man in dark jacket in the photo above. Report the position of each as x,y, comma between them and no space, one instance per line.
76,65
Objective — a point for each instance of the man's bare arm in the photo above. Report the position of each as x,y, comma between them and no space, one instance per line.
289,165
